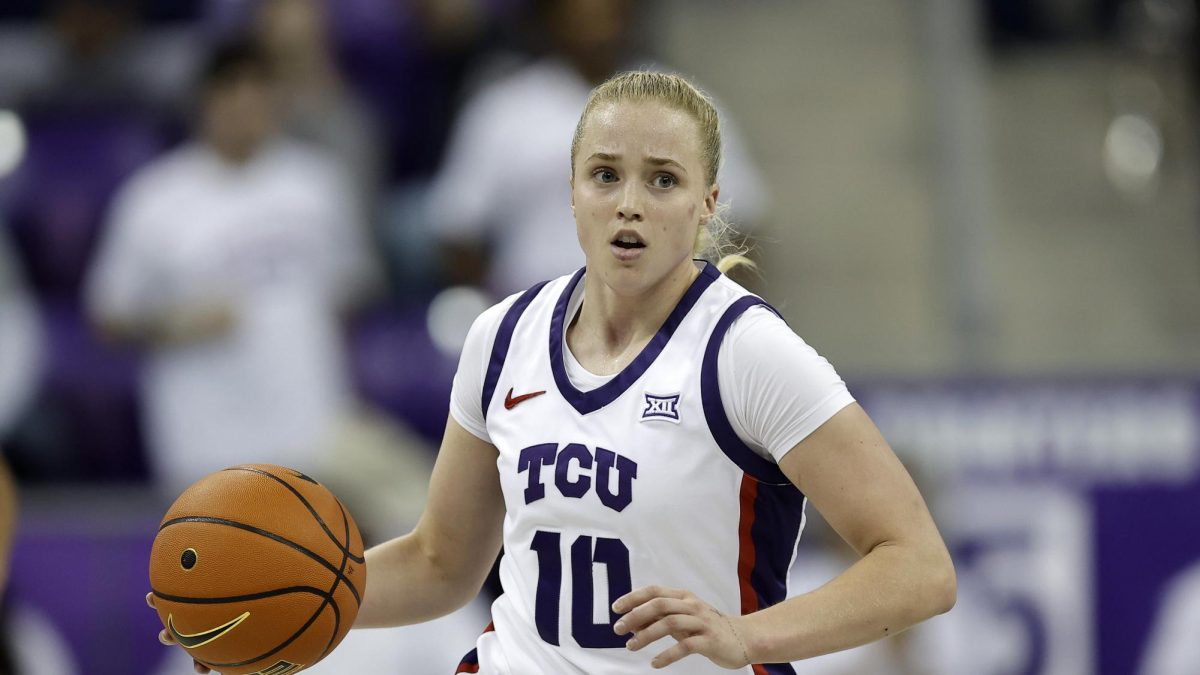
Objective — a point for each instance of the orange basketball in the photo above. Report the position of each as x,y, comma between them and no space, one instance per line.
257,569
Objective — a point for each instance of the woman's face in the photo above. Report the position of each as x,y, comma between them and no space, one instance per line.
639,193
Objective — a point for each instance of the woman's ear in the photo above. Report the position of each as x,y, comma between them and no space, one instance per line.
710,203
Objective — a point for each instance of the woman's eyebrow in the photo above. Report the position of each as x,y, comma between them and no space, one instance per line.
664,161
656,161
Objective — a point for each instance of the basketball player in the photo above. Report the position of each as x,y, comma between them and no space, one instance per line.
642,436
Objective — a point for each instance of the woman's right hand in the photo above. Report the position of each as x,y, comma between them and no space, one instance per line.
165,638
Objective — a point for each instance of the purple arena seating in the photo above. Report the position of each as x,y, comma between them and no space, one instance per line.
397,368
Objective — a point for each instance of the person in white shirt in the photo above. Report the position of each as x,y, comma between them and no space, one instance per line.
229,260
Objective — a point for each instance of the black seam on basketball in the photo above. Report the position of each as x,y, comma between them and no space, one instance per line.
183,599
346,525
337,618
307,505
283,645
315,515
263,533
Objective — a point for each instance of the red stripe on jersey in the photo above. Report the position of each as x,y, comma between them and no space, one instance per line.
467,668
746,552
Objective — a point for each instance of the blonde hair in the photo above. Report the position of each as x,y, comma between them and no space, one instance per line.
716,238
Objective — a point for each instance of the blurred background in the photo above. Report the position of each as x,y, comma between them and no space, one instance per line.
236,230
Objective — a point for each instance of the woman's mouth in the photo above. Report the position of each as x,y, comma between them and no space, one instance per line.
626,246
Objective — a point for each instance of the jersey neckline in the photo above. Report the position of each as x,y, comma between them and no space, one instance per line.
592,400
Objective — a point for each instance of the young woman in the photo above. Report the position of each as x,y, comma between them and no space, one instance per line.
642,436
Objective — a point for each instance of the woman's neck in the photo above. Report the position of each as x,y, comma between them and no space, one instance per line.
610,329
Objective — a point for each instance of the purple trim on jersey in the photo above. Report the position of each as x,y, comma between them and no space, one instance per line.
586,402
775,518
762,469
503,339
778,505
778,514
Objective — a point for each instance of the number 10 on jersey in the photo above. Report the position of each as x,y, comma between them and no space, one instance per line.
585,552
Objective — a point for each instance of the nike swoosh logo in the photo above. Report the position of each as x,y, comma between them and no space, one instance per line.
511,401
203,637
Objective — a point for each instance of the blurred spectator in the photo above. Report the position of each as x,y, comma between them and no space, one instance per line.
459,44
409,60
500,205
229,260
20,342
20,361
413,62
99,96
91,54
318,106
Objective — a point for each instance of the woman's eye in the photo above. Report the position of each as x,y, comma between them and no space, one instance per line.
604,175
664,180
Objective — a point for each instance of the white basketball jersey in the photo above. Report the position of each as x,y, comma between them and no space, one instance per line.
640,481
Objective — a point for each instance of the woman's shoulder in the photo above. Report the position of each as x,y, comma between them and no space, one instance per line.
758,314
760,331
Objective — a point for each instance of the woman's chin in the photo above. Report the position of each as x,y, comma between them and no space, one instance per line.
624,278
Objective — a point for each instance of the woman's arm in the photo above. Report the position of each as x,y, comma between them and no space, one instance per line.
440,565
905,576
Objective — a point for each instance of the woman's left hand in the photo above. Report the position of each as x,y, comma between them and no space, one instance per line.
653,612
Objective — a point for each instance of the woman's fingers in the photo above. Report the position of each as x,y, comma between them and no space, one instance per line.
678,626
639,596
692,645
650,611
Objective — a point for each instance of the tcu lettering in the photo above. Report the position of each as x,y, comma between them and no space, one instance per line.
574,469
